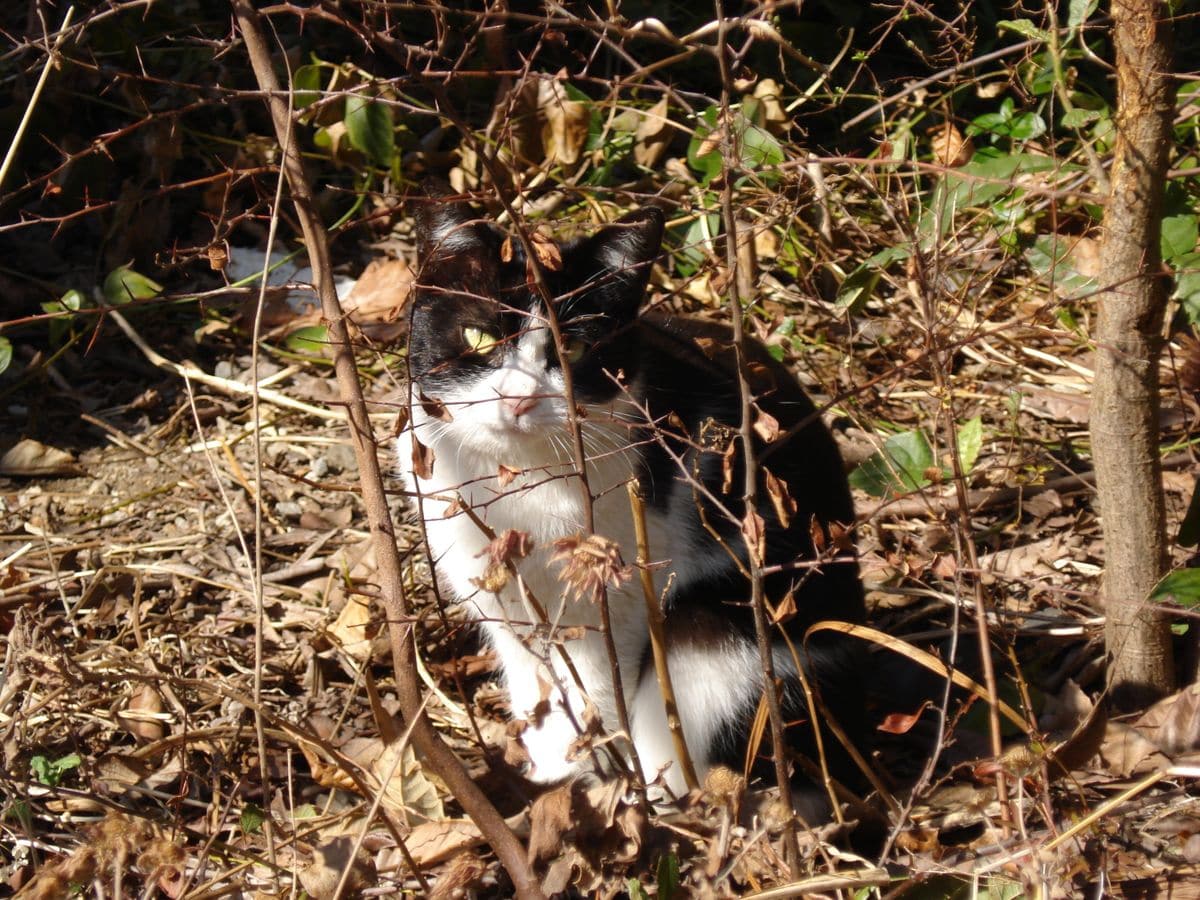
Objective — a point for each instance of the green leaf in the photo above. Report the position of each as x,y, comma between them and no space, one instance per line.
1187,284
369,128
970,442
899,468
636,891
1181,586
1189,528
310,339
6,351
1078,118
1050,257
1079,11
306,85
1025,28
50,772
73,300
667,876
252,818
1027,126
124,284
856,289
1178,236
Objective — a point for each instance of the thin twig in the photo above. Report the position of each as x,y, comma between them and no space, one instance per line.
730,153
439,756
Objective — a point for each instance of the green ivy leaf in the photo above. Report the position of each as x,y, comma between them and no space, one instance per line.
1078,118
1181,586
124,284
6,353
1179,235
252,818
900,467
369,128
1187,284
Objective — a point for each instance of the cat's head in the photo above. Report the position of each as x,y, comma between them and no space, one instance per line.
480,342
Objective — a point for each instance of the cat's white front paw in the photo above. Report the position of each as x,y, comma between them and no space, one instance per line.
549,745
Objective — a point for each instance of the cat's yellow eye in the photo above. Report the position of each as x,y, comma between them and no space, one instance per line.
479,341
573,350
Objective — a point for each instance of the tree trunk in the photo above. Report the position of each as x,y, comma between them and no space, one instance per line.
1125,407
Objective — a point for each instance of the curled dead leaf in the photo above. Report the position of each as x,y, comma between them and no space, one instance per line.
781,500
422,459
766,426
949,146
755,532
32,458
143,715
546,250
653,135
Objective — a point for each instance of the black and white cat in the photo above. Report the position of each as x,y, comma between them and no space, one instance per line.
488,400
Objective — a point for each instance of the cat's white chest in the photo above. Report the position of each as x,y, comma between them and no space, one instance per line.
545,503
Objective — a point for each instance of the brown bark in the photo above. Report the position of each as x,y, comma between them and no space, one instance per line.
434,750
1125,403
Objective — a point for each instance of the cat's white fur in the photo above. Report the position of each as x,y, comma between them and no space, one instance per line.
544,500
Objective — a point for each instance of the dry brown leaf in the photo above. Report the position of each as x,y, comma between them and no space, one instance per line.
768,93
352,628
949,147
653,135
394,769
376,302
785,610
564,122
782,501
902,723
766,426
142,716
506,475
550,818
754,530
433,842
506,249
727,459
321,877
546,250
29,457
1126,751
506,548
1173,723
434,408
422,459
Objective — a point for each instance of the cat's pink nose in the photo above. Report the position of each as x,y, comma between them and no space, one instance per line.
518,406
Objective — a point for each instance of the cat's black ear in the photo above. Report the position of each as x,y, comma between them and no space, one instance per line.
447,226
630,245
